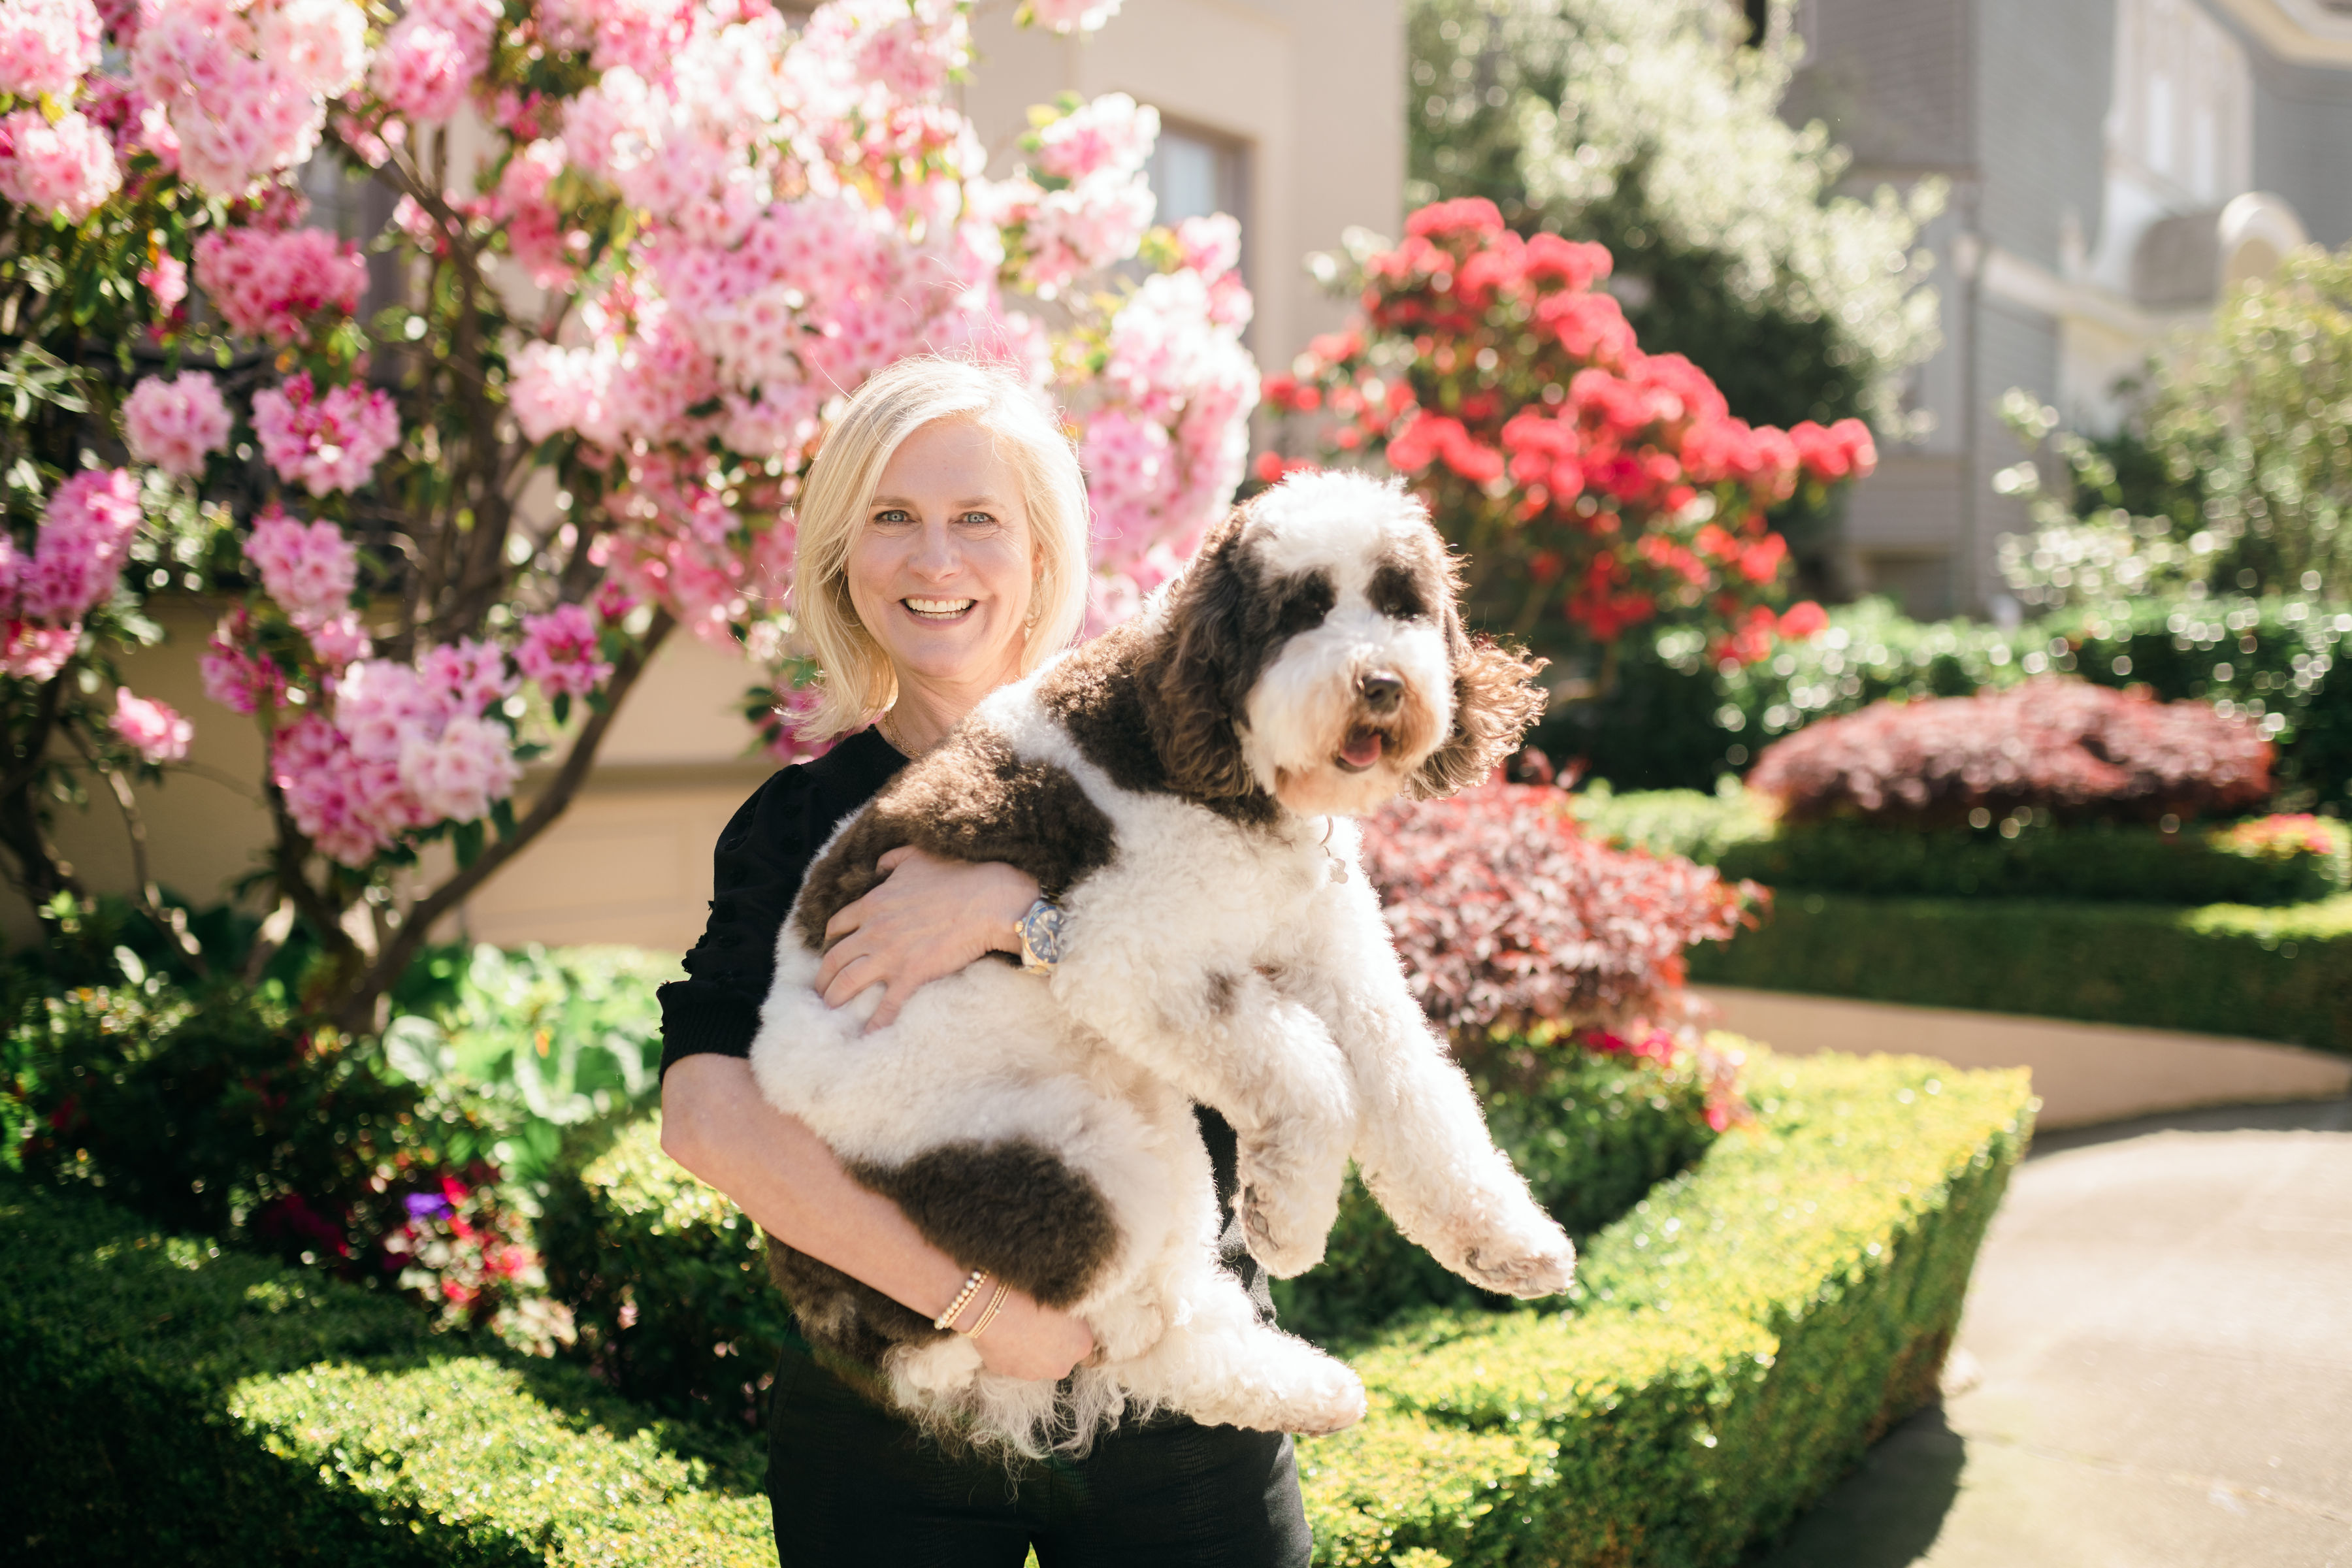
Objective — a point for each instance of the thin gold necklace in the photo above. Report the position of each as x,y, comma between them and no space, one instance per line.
891,733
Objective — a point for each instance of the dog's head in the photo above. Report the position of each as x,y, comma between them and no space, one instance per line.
1315,651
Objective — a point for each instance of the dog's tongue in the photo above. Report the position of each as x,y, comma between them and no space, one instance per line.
1363,748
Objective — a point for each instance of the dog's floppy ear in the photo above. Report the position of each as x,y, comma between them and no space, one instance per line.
1496,698
1205,673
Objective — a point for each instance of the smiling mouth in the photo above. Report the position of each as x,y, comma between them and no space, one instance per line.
937,609
1360,750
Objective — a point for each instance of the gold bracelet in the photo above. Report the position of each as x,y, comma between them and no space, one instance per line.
988,1317
972,1285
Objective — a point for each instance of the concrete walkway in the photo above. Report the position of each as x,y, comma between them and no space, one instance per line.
2155,1368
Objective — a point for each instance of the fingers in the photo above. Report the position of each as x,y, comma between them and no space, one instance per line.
852,978
894,859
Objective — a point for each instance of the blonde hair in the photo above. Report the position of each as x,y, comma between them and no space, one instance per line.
857,681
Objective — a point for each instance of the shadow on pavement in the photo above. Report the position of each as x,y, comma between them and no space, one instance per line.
1888,1512
2303,1116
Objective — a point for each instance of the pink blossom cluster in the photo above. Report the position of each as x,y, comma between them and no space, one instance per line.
84,539
1086,203
1167,438
151,728
269,284
236,674
46,46
309,569
324,443
409,746
431,57
558,652
174,424
244,90
66,170
525,210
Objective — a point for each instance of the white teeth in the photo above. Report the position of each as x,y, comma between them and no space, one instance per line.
938,606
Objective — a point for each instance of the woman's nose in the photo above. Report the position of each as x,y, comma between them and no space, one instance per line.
936,556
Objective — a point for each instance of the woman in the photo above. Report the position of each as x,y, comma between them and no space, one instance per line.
943,554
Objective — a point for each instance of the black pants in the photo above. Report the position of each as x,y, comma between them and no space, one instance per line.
855,1486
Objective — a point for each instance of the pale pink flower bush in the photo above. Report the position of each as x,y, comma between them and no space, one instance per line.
638,249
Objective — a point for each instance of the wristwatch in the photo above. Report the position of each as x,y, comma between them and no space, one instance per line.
1041,936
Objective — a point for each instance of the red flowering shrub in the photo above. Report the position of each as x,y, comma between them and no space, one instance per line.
1580,475
1507,916
2077,751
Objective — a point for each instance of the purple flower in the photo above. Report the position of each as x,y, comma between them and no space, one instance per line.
425,1205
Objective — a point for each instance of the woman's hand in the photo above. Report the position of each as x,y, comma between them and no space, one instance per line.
1029,1341
927,917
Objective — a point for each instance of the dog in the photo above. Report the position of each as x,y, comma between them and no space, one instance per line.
1182,787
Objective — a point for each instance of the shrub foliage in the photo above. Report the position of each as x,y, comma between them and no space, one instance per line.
1505,914
1745,1330
1591,486
1675,720
2272,860
2281,975
2066,747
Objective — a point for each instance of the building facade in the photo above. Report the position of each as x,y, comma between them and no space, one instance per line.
2115,166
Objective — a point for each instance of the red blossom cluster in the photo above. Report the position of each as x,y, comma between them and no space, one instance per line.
1577,472
2077,751
1507,916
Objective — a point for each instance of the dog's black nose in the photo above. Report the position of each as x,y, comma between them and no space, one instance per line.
1382,692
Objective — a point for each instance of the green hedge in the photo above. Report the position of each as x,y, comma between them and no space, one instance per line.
2097,862
2280,975
170,1400
1742,1334
667,1280
1669,721
1591,1134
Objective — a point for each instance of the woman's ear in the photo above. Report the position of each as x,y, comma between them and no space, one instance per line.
1496,698
1203,674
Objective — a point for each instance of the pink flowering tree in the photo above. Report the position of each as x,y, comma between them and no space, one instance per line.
464,471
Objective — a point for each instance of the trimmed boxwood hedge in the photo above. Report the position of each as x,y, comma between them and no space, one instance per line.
1741,1335
167,1399
667,1280
2088,862
2281,975
1743,1332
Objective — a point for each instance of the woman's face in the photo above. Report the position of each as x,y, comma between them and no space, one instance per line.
943,565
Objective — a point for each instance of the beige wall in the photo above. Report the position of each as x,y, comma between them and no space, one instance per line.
1312,90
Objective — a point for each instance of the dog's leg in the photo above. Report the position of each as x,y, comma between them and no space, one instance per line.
1422,1143
1226,1039
1224,1368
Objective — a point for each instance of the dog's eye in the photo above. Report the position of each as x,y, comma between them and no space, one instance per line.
1305,602
1396,594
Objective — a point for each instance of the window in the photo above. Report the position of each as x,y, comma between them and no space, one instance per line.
1195,172
2182,113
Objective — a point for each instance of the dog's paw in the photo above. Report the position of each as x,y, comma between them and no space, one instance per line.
1287,1241
1510,1268
1332,1401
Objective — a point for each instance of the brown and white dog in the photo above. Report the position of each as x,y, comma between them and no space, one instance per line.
1181,787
